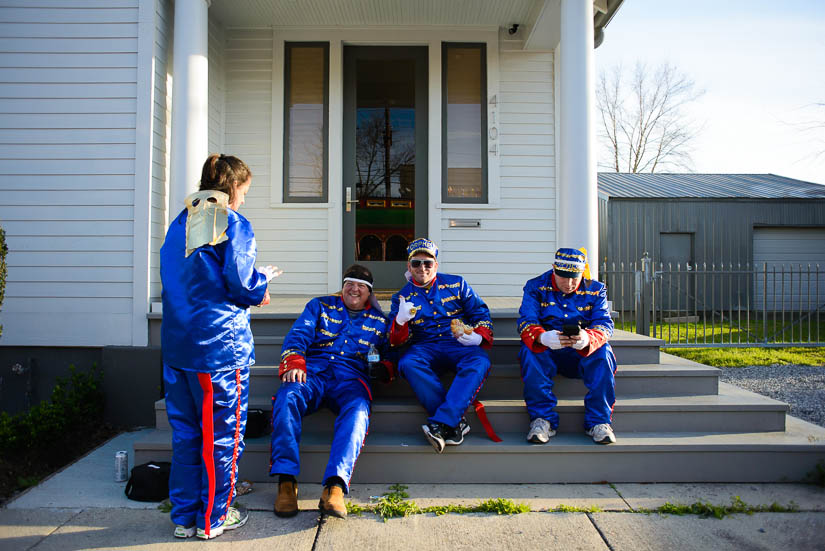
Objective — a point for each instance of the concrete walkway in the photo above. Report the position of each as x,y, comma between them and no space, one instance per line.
82,508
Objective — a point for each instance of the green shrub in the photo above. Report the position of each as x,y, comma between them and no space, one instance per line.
76,402
3,251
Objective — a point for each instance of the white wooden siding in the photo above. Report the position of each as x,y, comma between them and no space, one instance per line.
68,74
294,239
161,139
515,241
217,86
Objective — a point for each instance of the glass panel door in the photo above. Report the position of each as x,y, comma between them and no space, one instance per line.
384,152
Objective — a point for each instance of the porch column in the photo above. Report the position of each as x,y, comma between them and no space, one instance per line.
578,205
190,101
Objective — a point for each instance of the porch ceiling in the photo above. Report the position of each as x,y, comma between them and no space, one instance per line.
537,19
349,13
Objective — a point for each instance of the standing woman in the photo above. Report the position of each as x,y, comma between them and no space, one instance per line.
207,268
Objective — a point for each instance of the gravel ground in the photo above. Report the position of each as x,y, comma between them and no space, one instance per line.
803,387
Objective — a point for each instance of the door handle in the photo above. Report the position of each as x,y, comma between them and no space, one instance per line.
350,200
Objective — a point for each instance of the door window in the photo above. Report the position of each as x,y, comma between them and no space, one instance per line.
306,114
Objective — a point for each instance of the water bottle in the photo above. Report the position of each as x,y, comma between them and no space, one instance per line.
372,356
372,360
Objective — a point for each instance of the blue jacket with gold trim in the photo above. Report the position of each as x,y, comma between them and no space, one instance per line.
448,297
544,307
324,333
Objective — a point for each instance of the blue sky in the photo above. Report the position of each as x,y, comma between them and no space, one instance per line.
761,64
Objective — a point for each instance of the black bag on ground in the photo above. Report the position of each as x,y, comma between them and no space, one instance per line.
149,482
258,423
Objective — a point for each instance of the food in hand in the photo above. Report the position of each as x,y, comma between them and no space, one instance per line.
459,328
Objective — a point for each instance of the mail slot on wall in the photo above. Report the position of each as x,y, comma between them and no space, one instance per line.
464,223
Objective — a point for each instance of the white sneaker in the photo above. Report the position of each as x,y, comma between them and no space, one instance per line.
182,531
540,431
235,518
602,434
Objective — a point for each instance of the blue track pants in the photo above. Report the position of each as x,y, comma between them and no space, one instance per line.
207,413
422,364
597,371
348,399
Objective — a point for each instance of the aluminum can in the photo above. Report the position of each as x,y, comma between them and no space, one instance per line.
121,466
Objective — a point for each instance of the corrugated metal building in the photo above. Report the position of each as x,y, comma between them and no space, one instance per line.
714,219
703,218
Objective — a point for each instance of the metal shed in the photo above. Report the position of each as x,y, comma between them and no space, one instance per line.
700,218
730,221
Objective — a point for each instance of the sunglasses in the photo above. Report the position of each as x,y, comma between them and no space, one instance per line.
426,263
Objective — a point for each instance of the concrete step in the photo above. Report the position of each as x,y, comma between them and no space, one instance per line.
732,410
505,381
628,347
389,458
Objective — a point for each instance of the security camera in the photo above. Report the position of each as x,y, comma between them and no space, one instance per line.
513,29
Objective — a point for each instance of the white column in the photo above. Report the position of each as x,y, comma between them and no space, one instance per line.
190,100
578,200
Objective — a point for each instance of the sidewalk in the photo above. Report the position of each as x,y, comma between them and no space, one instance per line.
82,508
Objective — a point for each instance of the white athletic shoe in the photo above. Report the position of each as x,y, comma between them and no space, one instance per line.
182,531
235,518
602,434
540,431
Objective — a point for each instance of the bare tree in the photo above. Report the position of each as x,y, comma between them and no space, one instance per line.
377,162
644,125
813,127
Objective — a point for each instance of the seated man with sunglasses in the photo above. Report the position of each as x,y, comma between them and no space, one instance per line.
423,312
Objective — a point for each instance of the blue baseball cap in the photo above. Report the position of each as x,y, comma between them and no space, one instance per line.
422,245
569,263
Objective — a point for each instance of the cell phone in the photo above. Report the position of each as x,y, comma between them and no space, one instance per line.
570,329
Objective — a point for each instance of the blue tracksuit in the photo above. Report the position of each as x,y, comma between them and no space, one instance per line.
335,348
207,350
544,307
433,348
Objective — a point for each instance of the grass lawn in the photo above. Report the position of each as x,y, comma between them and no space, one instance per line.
740,357
718,331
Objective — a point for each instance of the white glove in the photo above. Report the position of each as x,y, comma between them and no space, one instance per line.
550,339
583,342
473,339
271,272
406,312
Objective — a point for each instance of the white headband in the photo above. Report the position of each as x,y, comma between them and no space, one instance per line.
367,283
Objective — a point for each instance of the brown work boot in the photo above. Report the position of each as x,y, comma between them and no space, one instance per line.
286,502
332,502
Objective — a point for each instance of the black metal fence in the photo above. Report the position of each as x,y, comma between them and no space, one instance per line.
719,305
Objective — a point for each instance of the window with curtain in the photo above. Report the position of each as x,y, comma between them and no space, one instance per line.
464,116
306,117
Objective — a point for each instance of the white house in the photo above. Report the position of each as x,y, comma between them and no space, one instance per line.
481,109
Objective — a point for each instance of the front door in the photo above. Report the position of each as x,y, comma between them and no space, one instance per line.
385,158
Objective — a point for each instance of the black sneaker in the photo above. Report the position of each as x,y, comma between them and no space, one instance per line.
435,434
454,437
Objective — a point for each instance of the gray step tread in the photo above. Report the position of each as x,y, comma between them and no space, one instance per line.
730,398
624,370
620,338
798,435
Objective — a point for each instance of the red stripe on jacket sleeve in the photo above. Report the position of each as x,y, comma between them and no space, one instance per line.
399,334
597,340
486,337
293,361
530,337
